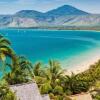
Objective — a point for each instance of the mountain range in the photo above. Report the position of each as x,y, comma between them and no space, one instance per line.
62,16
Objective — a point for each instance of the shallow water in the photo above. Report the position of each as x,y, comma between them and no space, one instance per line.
42,45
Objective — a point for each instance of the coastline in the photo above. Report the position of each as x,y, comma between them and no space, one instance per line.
82,67
67,28
84,64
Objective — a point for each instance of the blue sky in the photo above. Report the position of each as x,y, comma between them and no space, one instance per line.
12,6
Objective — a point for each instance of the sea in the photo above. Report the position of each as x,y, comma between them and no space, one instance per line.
67,47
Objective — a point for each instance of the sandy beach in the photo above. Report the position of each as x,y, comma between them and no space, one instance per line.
83,67
83,63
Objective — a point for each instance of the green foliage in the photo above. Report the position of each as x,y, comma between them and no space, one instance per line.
5,92
51,79
20,72
5,51
58,90
37,69
64,84
45,88
92,74
96,91
97,97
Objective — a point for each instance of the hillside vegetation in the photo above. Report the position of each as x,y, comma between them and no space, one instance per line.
50,79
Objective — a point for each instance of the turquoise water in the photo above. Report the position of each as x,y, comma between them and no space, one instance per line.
42,45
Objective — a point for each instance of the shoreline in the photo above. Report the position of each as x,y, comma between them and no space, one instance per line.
84,64
82,67
54,29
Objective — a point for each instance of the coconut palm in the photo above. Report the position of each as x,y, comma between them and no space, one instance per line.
25,65
48,78
54,72
5,51
21,72
39,75
75,84
37,69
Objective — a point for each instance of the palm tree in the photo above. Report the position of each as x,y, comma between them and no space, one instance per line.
54,72
37,69
39,76
68,83
21,72
49,77
5,51
25,65
75,84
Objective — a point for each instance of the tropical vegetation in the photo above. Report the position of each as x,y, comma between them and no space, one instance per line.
5,92
50,78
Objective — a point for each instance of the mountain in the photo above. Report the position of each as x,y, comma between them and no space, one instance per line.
62,16
65,10
5,20
78,20
28,14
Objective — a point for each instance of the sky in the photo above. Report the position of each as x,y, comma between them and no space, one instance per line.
13,6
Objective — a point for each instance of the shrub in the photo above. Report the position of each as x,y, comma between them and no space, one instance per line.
58,90
45,88
6,93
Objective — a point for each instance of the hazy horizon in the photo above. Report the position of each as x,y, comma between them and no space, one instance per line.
13,6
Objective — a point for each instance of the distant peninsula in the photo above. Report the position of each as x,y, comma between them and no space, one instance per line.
65,17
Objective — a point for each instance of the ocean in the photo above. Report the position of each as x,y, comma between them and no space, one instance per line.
60,45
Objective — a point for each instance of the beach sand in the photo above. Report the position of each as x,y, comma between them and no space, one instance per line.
82,63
